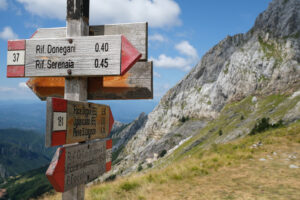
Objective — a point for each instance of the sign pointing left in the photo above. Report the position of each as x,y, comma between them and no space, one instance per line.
64,57
79,164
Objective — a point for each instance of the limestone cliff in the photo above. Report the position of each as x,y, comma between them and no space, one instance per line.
261,62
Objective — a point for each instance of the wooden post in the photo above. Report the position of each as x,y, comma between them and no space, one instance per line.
76,88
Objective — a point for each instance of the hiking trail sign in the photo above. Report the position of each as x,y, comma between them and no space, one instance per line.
73,121
79,164
137,83
81,62
74,56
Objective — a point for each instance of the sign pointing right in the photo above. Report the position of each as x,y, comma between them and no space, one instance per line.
67,57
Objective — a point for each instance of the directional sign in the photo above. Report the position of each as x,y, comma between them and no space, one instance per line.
78,56
137,83
136,33
79,164
71,121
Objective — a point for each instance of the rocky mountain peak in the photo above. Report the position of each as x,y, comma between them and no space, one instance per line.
263,61
281,19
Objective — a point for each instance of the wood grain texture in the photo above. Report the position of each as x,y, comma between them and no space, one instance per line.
54,57
56,170
75,88
50,33
136,33
114,86
137,83
16,45
81,121
79,164
15,71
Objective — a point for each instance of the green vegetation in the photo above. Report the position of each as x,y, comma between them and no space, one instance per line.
27,185
201,166
184,119
111,178
232,168
162,153
263,125
140,168
115,155
271,49
22,150
220,132
128,186
199,89
149,165
183,104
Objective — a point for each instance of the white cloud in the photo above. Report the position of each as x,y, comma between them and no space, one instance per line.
7,89
157,37
3,4
182,63
187,49
159,13
23,85
8,34
156,74
21,91
169,62
166,86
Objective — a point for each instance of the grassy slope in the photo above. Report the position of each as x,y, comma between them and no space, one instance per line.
223,171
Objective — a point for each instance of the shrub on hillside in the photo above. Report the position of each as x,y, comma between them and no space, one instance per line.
184,119
263,125
162,153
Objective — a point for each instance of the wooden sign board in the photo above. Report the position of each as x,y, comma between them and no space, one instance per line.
71,122
137,83
136,33
79,164
77,56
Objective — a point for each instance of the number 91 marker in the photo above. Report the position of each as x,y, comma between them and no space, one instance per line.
78,56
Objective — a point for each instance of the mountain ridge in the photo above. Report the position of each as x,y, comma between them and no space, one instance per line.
262,62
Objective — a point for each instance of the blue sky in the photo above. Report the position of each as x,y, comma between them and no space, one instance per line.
180,31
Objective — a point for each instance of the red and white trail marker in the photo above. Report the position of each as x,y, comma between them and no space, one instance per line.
79,164
68,57
71,122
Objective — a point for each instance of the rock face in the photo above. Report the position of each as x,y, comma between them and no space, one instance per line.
263,61
125,132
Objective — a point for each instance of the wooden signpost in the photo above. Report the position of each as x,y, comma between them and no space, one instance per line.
136,33
137,83
79,164
72,121
73,56
82,62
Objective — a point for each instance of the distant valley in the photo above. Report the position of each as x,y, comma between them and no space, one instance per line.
32,115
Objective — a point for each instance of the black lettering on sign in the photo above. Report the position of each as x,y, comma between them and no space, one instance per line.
39,64
104,47
60,121
16,57
102,64
61,50
60,65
